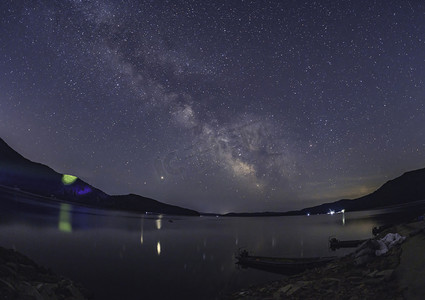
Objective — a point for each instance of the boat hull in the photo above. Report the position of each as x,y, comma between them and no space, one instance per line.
335,244
286,266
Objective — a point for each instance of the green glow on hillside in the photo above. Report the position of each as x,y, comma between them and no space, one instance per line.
68,179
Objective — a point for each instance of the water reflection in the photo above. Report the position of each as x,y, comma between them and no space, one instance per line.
142,220
158,222
158,248
65,218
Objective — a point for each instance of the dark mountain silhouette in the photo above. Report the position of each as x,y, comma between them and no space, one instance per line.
21,174
409,187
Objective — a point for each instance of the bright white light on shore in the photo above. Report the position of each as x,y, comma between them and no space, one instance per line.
331,212
158,248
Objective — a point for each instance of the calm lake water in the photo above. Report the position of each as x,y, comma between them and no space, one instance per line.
128,256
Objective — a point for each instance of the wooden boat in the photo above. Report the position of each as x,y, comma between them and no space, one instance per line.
281,265
336,244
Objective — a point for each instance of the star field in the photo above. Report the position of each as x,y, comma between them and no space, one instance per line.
217,105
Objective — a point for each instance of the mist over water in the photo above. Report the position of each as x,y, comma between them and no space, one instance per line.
128,256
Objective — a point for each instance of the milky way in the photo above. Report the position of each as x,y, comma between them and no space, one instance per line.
217,105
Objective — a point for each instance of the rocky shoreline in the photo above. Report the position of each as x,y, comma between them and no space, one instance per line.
22,278
397,274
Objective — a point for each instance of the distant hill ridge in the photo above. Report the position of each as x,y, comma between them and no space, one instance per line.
409,187
20,173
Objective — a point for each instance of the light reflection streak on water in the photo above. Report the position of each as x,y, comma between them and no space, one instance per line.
158,248
158,222
141,230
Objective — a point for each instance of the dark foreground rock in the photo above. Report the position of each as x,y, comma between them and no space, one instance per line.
397,274
21,278
342,279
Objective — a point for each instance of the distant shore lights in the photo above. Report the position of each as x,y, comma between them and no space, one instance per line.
332,212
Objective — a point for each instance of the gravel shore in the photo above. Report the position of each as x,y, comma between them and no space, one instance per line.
398,274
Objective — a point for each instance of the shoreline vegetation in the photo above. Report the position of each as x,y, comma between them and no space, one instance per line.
398,274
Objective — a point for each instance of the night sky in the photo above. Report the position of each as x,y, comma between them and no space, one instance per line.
217,105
